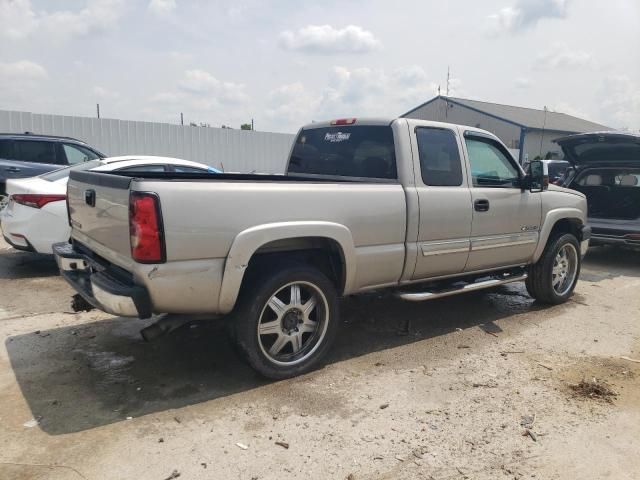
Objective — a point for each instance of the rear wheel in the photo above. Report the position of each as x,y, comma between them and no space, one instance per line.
285,323
553,278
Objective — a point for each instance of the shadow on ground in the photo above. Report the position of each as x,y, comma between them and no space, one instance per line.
81,377
15,264
606,262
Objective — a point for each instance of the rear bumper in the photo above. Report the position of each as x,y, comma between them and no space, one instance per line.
101,287
615,232
26,248
597,239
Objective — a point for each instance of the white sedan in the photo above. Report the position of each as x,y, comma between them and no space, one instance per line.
36,214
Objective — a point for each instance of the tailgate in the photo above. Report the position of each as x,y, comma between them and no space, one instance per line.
99,209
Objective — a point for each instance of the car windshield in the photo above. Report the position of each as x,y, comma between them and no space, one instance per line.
61,173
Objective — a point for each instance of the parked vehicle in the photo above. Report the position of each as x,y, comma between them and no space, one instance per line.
27,155
36,215
424,208
606,168
556,168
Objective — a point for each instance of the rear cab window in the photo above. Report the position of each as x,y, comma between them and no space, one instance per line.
357,151
439,155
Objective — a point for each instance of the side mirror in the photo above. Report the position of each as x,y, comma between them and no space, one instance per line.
538,176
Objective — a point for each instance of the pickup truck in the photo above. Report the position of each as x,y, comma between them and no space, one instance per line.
423,208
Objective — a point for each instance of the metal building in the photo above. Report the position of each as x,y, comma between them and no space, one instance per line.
528,132
233,150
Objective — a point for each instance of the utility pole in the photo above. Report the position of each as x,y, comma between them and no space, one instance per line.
544,124
252,124
181,119
98,109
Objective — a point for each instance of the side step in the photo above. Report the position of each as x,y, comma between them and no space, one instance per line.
468,287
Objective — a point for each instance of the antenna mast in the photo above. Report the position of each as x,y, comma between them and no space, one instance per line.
447,80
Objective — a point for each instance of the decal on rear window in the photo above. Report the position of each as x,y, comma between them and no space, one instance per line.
336,137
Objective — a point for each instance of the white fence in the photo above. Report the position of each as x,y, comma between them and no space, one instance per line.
235,150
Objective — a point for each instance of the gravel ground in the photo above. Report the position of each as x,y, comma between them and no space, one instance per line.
476,386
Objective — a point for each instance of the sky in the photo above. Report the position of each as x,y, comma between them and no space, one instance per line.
284,63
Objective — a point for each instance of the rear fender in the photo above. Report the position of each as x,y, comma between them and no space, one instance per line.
249,241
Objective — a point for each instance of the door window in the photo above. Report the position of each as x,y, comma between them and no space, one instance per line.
184,169
143,169
490,165
6,149
76,154
439,157
35,151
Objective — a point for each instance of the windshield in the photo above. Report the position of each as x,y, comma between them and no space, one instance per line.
62,173
356,151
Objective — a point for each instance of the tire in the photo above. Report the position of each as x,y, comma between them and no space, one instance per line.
279,332
553,277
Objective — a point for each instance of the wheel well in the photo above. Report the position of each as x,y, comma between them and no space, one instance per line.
567,225
324,254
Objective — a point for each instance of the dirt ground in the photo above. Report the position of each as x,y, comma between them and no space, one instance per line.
446,389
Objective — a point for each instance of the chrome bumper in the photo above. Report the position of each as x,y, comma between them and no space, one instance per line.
99,286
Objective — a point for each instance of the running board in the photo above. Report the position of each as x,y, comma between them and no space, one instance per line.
470,287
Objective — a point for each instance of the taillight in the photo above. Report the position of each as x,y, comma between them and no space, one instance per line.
344,121
145,228
36,200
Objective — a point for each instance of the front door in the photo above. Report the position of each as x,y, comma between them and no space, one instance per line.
445,204
506,218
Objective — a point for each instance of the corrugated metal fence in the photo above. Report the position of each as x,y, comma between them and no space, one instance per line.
236,150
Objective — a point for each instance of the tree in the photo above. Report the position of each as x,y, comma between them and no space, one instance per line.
245,126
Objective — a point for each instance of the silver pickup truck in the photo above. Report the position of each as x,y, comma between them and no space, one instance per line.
423,208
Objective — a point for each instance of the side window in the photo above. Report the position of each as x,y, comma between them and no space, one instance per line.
6,149
439,157
35,151
184,169
76,154
490,166
143,169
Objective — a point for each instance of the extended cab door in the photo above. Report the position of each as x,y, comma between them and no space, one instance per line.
445,203
506,218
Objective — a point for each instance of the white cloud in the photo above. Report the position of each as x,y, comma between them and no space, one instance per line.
351,92
561,56
202,83
22,71
162,7
18,20
105,93
526,14
326,39
620,102
20,82
523,83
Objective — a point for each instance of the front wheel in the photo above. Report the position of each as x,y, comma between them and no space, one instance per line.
553,278
286,322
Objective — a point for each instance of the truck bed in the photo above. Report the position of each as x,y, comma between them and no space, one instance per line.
203,214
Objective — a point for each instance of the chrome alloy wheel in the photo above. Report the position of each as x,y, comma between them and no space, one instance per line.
293,323
565,266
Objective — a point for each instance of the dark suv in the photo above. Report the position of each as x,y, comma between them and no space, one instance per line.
28,155
606,168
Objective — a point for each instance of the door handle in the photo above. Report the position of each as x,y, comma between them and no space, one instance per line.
481,205
12,169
